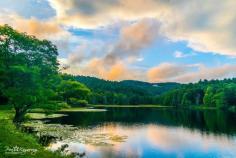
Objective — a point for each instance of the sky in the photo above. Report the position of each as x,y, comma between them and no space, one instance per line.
147,40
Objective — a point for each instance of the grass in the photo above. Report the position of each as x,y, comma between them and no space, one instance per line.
43,116
82,109
12,138
73,109
97,108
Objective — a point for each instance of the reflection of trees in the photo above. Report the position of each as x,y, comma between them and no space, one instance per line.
220,121
209,121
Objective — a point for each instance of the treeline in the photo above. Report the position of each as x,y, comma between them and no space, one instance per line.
127,92
30,77
213,93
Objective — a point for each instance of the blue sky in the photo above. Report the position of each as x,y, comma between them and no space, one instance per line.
161,41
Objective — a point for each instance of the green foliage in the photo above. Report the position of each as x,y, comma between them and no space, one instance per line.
77,103
73,91
208,97
23,80
219,100
29,75
126,92
27,65
215,93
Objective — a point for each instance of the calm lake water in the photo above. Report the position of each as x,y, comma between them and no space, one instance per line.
150,133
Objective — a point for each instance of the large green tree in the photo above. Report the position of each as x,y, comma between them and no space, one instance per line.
28,67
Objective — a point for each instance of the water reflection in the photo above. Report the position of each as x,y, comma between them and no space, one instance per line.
214,121
153,133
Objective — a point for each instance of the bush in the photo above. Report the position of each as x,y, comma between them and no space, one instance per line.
63,105
76,102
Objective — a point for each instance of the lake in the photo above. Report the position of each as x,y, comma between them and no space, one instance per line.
149,132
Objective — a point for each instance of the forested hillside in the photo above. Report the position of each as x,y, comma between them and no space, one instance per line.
214,93
124,92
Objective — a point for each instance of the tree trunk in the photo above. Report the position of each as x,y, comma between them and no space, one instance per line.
19,115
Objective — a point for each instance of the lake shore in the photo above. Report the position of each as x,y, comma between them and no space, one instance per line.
132,106
102,108
14,142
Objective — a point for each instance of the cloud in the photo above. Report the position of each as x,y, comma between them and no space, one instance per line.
48,29
208,29
203,72
97,13
39,9
205,27
189,73
41,29
133,38
99,68
179,54
112,61
166,72
109,62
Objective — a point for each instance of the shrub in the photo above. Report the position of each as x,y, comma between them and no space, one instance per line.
76,102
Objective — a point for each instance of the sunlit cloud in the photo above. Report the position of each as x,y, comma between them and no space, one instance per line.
166,72
41,29
206,28
189,73
97,67
132,27
133,38
113,62
203,72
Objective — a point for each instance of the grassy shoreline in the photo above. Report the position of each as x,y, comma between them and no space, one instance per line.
102,108
12,138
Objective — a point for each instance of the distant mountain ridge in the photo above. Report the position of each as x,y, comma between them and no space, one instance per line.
155,88
124,92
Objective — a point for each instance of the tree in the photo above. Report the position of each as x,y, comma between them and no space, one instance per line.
73,92
208,97
220,99
26,90
27,67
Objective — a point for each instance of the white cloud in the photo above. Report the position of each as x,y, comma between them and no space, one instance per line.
166,72
113,60
189,73
206,27
132,39
203,72
179,54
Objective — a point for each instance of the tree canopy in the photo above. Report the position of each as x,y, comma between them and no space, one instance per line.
29,72
214,93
